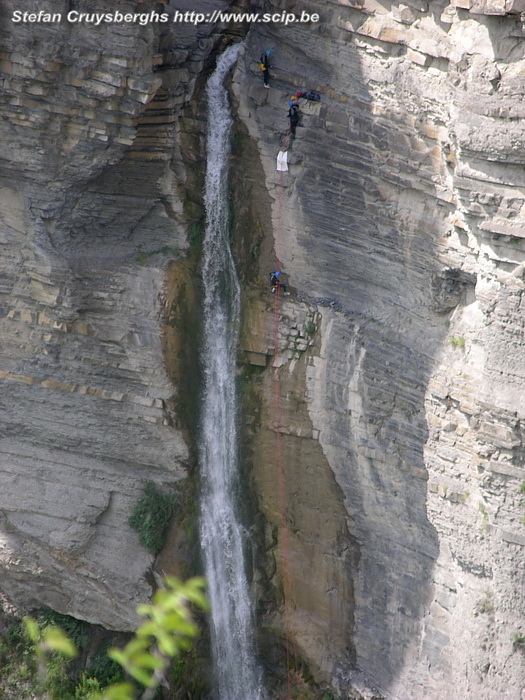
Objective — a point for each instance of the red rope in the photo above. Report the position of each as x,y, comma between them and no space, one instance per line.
287,587
280,476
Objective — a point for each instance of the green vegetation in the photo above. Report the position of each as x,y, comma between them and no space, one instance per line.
457,341
17,661
167,631
183,349
76,630
518,641
102,669
250,372
151,516
300,669
195,237
86,687
39,659
52,647
36,658
485,606
483,511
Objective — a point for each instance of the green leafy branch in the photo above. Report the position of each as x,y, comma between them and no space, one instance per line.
168,629
48,641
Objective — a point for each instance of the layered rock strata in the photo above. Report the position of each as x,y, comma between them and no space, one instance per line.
91,211
400,220
399,353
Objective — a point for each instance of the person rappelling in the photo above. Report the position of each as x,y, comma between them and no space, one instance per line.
293,116
277,283
265,67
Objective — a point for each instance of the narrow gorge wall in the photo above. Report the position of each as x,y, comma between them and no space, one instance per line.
92,207
402,218
400,349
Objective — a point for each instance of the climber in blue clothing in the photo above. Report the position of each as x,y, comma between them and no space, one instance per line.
277,283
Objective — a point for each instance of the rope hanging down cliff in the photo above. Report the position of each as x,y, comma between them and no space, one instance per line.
280,290
287,583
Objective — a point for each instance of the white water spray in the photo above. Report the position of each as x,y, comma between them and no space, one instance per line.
236,670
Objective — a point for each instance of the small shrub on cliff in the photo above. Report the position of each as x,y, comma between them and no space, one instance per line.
151,517
485,606
457,342
518,641
194,237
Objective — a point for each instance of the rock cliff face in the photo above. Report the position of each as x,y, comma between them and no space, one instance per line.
399,353
90,212
400,221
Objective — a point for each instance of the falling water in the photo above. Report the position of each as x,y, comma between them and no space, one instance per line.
236,670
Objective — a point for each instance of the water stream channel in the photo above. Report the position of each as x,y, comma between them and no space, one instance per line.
237,673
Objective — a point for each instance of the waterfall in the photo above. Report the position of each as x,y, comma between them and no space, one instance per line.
236,671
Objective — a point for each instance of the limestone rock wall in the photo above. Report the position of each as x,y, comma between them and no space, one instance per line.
400,224
91,211
400,220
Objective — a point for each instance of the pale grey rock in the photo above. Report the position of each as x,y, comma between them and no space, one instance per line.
88,204
403,13
401,218
401,228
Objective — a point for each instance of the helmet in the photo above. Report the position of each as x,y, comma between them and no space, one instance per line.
277,274
268,52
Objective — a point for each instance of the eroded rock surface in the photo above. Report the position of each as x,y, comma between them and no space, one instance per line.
401,221
400,351
90,213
